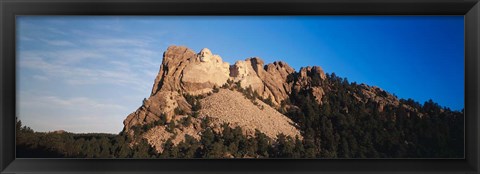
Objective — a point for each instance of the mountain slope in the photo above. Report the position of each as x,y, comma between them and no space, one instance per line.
228,106
184,73
202,107
330,116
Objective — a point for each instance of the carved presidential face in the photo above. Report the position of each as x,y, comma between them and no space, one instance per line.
205,55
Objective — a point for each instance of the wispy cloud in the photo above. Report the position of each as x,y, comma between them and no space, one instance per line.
117,74
39,77
58,42
77,102
72,64
115,42
61,57
25,38
56,31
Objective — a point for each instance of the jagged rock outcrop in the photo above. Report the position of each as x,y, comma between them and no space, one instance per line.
311,78
377,95
270,81
185,72
163,102
246,72
181,71
276,80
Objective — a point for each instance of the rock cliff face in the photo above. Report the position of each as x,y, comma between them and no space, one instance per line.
181,71
377,95
311,78
184,72
270,81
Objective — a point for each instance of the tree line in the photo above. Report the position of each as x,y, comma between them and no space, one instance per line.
341,127
344,127
230,143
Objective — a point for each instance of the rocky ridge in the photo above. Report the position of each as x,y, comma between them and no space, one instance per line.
185,72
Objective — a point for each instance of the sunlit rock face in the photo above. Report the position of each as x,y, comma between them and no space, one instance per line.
270,81
182,71
185,72
203,74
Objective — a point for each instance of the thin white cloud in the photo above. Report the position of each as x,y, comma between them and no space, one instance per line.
80,102
58,42
25,38
61,57
39,77
35,99
55,30
26,26
115,42
150,73
136,73
110,27
86,75
86,61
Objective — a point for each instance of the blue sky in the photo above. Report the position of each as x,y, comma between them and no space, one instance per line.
86,74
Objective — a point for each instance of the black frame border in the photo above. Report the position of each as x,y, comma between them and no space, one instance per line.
9,9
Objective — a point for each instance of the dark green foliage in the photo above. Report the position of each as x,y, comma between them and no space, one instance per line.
142,149
284,147
169,151
227,85
190,148
140,129
268,101
248,92
179,111
298,149
196,107
32,144
171,126
195,114
263,143
341,127
187,121
205,122
194,101
216,89
230,143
